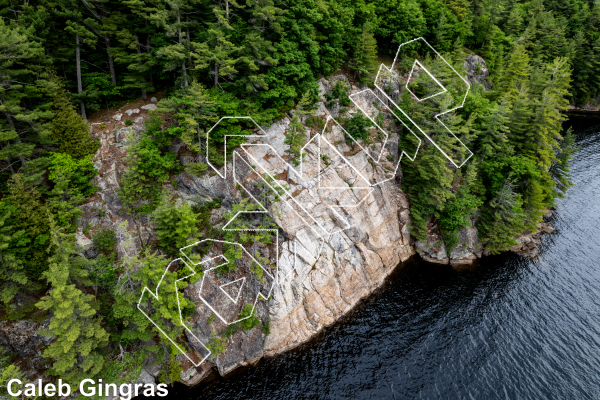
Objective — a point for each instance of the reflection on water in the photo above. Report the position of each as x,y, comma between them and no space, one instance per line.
509,329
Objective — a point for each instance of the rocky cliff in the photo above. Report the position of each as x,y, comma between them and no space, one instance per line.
321,275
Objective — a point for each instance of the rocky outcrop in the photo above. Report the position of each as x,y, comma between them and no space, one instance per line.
325,277
477,71
21,337
104,208
469,248
322,277
593,106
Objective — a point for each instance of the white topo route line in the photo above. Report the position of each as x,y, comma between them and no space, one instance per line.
242,285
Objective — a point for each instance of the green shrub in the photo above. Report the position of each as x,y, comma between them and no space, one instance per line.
149,165
340,91
175,227
170,371
267,326
315,122
79,172
216,345
195,169
251,321
104,240
123,369
230,331
128,122
357,126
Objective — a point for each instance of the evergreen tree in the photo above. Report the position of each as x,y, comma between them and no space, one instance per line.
175,227
24,95
28,229
502,219
195,111
515,72
79,28
306,104
150,270
79,333
559,170
295,139
13,278
518,122
257,52
364,61
515,22
494,136
69,129
219,54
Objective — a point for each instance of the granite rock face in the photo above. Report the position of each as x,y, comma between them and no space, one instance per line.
322,276
477,71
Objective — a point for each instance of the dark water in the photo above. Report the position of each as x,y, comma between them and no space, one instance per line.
509,329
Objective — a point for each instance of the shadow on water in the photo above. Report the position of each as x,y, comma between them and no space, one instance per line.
509,328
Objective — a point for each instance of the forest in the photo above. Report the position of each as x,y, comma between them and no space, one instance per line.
62,61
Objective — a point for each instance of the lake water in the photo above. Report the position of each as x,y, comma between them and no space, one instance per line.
511,328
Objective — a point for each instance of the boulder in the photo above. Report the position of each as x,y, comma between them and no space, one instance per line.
477,71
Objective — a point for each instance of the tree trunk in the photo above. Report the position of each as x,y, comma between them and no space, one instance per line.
148,48
139,52
17,140
79,85
185,79
111,63
187,34
216,73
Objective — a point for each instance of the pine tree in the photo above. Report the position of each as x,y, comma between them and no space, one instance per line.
364,61
150,270
306,104
24,95
559,170
441,32
13,278
515,22
78,27
27,213
69,130
257,52
502,219
195,111
543,139
516,71
295,139
219,54
173,22
494,136
175,226
520,112
533,202
79,333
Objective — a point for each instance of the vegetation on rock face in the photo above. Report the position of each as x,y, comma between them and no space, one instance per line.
62,60
78,331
